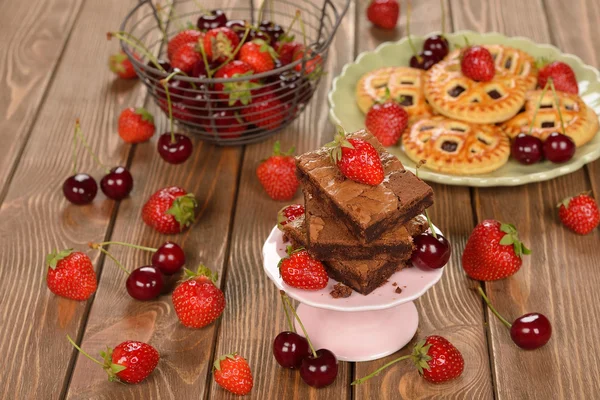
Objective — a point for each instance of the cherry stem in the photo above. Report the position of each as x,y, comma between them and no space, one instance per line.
492,309
377,371
431,228
261,10
237,49
135,42
165,83
303,29
557,101
287,300
135,246
87,146
288,30
83,352
74,150
98,246
287,313
442,6
537,106
410,42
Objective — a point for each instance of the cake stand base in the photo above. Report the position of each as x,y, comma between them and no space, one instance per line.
360,335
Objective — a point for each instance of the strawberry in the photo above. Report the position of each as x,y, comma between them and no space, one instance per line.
237,93
277,174
185,57
129,362
197,301
71,275
289,213
286,50
186,36
562,75
169,210
233,374
493,251
313,61
302,271
357,160
579,213
259,55
220,44
384,13
265,110
122,66
136,125
386,122
477,64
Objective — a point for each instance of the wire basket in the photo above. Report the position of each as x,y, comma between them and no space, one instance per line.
202,105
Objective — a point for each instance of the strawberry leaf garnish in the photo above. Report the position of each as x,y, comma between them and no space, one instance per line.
240,90
420,356
512,238
145,114
339,141
53,258
217,363
184,209
201,271
266,48
111,369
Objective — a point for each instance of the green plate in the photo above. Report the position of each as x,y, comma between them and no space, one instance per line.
344,111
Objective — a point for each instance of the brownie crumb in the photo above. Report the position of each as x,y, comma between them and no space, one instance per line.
398,290
341,291
394,284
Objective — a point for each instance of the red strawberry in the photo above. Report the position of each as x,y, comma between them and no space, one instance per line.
313,61
286,50
197,301
220,43
185,57
579,213
386,122
129,362
493,251
438,360
302,271
357,160
562,75
136,125
186,36
233,374
477,64
384,13
289,213
259,55
265,110
122,66
277,174
237,93
169,210
71,275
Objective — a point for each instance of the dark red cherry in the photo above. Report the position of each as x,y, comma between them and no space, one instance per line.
527,149
272,29
174,150
417,61
117,184
177,88
227,124
531,331
319,371
288,84
238,26
163,63
258,35
425,60
80,189
215,19
290,349
430,252
145,283
437,45
169,258
559,148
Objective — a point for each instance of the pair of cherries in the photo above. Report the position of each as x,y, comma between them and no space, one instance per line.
528,149
318,368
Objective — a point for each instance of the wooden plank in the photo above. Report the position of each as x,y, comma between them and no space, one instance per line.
36,218
448,309
33,34
559,278
254,315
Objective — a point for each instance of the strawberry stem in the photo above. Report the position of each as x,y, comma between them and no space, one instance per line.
83,352
492,309
135,43
537,106
135,246
87,146
287,300
557,101
97,246
377,371
287,313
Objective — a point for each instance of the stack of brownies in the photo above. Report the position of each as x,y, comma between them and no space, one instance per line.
361,233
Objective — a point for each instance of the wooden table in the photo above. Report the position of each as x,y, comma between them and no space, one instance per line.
54,70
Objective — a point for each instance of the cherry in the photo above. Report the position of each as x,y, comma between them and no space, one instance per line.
258,35
177,89
286,85
290,349
425,60
215,19
169,258
164,64
272,29
320,369
559,148
227,124
527,149
117,184
529,331
437,45
430,251
238,26
145,283
174,148
80,188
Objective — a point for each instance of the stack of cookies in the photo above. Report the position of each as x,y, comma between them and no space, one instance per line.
361,233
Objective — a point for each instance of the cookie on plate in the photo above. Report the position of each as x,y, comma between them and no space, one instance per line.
452,94
401,81
581,122
456,147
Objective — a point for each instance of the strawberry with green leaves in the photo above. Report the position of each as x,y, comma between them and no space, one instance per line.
71,274
259,55
301,270
136,125
186,36
185,57
286,51
122,66
220,44
237,93
265,109
579,213
562,75
232,373
277,174
170,210
493,251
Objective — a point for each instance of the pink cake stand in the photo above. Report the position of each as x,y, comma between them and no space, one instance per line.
357,328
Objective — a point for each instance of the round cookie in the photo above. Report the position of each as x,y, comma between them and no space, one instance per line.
581,122
401,81
454,95
456,147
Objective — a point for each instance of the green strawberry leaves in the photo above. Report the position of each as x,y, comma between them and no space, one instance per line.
116,62
339,141
145,114
53,258
217,363
201,271
111,369
266,48
277,150
184,210
512,238
420,356
240,90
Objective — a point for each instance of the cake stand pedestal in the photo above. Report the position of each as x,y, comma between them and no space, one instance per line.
356,328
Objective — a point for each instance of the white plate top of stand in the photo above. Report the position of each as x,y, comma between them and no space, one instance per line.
413,282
